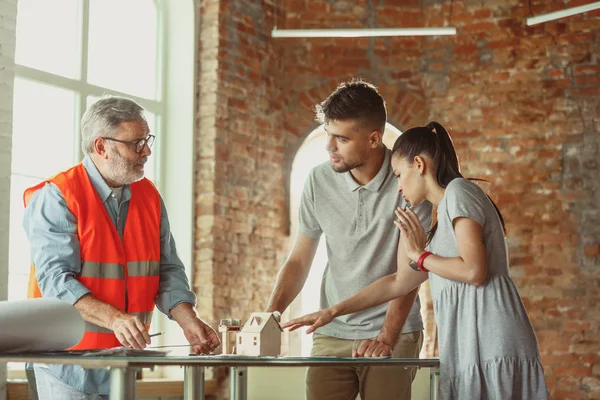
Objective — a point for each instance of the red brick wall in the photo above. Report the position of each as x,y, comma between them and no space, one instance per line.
241,221
241,213
522,106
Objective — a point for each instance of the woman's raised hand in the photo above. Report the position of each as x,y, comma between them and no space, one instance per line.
315,320
412,234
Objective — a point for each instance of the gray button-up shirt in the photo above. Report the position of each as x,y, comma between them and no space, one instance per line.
362,241
52,232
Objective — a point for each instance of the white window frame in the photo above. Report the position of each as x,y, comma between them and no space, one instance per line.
83,89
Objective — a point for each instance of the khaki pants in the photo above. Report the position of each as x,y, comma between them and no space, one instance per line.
373,383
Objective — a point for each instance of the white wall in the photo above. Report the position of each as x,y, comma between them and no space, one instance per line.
8,22
288,383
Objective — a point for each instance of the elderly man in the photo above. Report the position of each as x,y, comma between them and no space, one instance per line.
100,240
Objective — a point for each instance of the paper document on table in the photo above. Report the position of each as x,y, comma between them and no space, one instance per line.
126,352
45,324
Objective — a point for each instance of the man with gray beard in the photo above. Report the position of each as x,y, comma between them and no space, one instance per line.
100,240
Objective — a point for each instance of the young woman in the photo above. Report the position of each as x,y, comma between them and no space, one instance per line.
488,349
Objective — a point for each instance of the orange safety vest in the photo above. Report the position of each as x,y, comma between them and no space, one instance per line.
124,274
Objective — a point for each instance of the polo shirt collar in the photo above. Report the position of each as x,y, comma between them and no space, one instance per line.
375,184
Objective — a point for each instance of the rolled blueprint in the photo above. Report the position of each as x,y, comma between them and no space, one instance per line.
45,324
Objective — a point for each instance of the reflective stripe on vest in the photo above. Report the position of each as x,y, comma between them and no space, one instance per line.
116,271
91,269
131,289
143,268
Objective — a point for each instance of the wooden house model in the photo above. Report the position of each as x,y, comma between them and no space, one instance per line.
228,328
260,335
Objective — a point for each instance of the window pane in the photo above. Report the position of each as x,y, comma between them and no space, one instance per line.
48,36
43,124
120,57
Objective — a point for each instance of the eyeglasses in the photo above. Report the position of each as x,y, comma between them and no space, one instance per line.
139,144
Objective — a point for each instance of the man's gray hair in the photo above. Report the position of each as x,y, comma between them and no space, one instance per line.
104,117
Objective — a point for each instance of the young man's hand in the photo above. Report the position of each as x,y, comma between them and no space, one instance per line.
373,348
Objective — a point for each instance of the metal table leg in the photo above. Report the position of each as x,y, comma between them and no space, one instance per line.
122,383
434,383
238,389
193,383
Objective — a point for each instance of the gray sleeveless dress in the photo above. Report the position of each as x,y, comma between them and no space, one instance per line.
488,349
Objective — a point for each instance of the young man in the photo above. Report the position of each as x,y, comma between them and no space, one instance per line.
351,199
100,239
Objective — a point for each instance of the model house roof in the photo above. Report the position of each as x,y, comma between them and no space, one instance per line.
258,321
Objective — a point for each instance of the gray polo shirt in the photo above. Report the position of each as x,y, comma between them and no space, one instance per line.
361,238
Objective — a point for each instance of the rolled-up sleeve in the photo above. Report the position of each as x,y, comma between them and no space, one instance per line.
51,229
174,286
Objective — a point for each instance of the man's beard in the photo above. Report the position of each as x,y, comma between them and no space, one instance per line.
345,167
122,172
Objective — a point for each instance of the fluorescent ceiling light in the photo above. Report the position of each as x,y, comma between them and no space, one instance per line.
373,32
562,14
